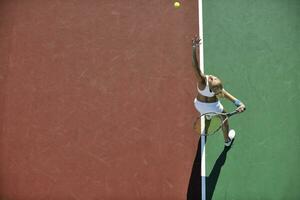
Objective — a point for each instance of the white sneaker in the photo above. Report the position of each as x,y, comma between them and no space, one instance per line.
231,135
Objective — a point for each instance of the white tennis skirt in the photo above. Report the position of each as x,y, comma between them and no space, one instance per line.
203,108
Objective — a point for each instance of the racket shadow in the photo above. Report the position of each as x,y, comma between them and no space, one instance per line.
212,179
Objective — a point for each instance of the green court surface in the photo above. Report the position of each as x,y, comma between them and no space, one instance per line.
254,47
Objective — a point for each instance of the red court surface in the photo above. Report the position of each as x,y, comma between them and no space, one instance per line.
96,99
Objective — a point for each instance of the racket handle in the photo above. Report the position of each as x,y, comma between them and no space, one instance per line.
234,112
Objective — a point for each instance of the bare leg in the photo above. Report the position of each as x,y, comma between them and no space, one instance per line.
225,129
197,125
207,123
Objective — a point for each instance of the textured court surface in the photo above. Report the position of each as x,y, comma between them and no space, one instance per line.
96,99
254,46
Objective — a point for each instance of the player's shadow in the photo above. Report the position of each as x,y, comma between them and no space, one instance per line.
194,188
212,179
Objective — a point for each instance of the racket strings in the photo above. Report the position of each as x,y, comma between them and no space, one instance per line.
216,123
214,127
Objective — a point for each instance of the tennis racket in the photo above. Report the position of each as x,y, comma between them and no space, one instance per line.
216,121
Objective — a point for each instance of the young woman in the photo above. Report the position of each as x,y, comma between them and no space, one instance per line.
210,89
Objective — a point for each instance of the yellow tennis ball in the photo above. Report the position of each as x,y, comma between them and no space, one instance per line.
176,4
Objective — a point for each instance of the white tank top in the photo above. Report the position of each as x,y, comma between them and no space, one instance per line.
206,92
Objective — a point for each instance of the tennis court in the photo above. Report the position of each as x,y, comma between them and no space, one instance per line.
254,47
96,99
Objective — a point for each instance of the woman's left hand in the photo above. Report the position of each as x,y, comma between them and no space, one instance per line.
241,108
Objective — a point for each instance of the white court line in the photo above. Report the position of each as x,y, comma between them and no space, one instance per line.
201,64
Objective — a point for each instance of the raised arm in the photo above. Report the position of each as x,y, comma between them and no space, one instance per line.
238,103
199,75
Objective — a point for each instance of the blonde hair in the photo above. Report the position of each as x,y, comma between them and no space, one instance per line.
220,86
221,94
217,85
